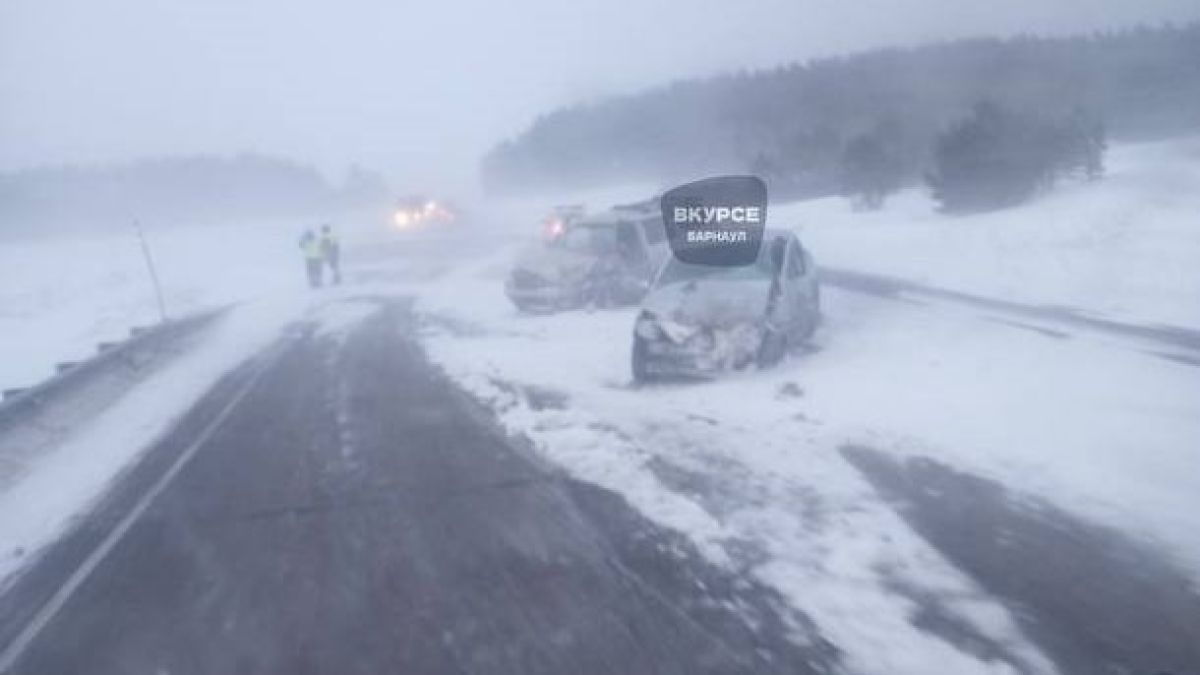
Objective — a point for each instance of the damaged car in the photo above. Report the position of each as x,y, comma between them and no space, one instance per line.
701,320
602,260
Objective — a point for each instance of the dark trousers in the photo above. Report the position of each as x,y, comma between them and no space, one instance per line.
313,267
335,266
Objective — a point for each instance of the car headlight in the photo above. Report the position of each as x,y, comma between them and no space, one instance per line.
677,332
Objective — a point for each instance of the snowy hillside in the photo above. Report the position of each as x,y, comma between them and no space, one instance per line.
1126,247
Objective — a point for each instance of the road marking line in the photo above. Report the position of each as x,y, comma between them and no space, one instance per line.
16,649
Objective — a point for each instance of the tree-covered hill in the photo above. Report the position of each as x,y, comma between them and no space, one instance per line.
793,124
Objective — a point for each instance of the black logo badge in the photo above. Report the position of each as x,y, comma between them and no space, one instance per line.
716,221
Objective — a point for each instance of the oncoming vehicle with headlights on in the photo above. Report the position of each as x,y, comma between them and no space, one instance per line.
413,212
702,320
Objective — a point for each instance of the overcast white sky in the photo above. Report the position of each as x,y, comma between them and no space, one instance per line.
417,89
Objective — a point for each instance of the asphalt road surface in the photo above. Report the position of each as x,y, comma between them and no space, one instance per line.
1093,599
337,507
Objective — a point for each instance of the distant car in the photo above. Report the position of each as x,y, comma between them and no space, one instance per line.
562,217
699,320
415,211
606,259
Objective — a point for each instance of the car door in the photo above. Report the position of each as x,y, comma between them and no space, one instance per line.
631,246
804,287
634,256
793,291
778,302
656,242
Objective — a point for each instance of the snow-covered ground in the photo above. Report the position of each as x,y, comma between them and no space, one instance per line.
63,295
1126,247
750,466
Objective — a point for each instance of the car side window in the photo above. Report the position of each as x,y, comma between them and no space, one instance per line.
629,246
795,266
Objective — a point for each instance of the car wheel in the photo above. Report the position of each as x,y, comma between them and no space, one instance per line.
813,318
593,298
638,360
772,348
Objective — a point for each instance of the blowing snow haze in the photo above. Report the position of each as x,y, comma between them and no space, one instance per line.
546,337
417,90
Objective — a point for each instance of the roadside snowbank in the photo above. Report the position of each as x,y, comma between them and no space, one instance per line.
63,295
1126,247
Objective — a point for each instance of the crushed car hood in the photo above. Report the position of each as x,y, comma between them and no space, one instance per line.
715,303
555,265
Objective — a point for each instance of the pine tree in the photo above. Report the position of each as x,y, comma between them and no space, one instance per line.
993,159
870,169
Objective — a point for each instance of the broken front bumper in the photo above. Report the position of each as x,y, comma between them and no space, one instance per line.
704,353
666,359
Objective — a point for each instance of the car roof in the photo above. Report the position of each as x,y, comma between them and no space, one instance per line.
772,233
610,217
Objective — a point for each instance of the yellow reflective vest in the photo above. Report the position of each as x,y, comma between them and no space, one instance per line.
312,248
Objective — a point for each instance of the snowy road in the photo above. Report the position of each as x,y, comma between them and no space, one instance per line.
938,485
347,511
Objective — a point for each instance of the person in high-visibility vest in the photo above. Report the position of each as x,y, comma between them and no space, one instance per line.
332,252
314,257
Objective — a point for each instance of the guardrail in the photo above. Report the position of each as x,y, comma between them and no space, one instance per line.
19,404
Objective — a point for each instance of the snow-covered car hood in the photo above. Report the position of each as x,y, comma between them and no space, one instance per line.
710,303
555,264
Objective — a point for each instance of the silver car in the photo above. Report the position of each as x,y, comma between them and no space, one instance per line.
604,260
699,321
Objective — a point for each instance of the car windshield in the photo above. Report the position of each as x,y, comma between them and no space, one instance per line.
592,239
